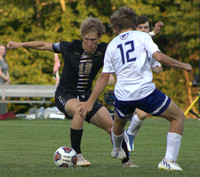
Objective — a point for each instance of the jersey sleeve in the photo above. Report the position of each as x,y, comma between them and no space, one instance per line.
108,67
56,47
149,45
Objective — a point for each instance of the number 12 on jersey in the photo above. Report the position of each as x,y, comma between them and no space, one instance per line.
130,45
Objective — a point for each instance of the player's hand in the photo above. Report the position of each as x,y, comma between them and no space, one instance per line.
157,69
157,27
187,67
13,45
84,109
111,80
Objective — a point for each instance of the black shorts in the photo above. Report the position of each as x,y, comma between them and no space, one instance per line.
61,99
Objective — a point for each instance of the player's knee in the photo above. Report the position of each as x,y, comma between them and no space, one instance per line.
108,130
179,119
76,115
108,127
142,116
182,117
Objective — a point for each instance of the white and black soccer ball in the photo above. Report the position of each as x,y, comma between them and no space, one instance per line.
65,157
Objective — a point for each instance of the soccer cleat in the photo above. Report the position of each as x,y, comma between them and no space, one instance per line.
168,165
120,154
129,141
129,164
81,162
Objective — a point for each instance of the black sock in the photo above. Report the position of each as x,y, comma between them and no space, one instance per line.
76,136
124,147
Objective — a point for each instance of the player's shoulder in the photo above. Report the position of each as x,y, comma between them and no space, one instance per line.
102,47
129,34
140,34
75,45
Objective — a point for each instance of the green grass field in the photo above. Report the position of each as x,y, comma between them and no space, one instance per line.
27,149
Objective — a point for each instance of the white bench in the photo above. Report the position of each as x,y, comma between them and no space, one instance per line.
31,94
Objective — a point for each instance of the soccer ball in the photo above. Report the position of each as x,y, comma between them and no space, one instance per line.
65,157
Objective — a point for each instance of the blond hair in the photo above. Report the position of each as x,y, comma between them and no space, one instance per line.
92,24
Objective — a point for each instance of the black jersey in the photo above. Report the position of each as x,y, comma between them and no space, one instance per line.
80,68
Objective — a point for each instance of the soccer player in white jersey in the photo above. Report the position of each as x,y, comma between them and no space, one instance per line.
143,24
126,56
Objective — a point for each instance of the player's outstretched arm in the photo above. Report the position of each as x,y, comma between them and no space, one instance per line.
39,45
101,83
160,57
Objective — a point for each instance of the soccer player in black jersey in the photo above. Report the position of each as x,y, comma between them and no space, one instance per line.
82,62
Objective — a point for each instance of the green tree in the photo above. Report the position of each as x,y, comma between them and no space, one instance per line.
57,20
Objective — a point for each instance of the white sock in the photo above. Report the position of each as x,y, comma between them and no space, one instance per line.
134,126
117,140
173,146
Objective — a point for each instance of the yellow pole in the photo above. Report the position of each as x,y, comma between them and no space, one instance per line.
62,2
187,111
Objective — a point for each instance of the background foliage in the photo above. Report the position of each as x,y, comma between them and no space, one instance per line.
57,20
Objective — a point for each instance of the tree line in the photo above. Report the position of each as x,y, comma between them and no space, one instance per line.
57,20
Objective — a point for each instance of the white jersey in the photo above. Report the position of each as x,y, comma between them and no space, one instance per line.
126,56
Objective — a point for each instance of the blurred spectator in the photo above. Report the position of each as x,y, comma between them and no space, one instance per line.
4,75
56,69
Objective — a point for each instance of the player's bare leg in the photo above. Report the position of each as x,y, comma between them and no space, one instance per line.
117,137
134,127
176,118
103,120
76,130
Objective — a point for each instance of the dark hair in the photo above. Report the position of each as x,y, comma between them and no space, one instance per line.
123,18
4,57
92,24
142,20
